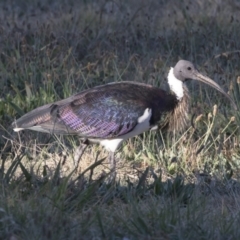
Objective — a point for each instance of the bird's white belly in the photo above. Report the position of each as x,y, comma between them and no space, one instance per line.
142,126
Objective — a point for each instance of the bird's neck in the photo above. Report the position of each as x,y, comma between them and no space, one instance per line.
179,117
176,86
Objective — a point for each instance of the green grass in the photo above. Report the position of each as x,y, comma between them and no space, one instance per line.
183,186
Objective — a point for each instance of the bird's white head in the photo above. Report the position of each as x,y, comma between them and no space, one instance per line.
185,70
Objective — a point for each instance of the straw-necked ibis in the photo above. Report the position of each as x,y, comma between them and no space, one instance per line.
112,113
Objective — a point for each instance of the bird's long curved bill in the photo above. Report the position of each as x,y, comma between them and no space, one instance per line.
210,82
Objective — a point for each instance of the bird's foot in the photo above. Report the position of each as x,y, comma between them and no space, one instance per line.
112,162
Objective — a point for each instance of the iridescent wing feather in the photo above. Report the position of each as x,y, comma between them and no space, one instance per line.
104,112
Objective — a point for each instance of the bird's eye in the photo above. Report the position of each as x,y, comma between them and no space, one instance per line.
189,68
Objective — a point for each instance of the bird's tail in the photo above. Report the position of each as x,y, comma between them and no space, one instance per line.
43,119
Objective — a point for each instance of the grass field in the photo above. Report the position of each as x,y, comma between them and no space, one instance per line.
184,186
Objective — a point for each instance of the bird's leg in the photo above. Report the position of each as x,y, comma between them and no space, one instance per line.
112,163
79,152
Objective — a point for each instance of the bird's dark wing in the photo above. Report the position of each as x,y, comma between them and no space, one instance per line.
106,111
102,114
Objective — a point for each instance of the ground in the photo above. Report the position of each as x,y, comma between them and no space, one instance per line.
169,186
